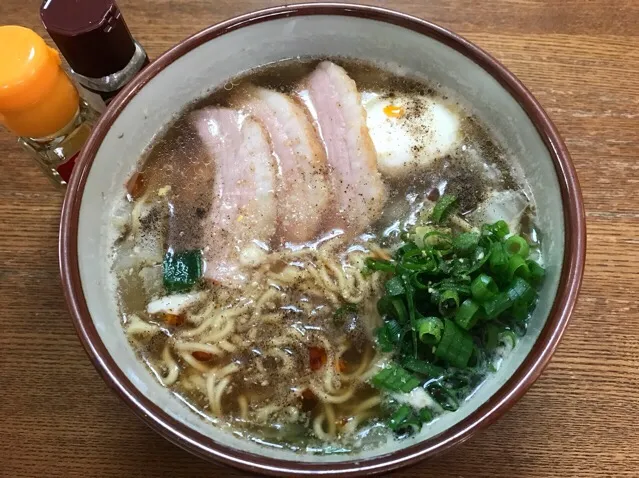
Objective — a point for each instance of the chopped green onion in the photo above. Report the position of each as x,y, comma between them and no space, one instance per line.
418,261
480,256
508,336
455,285
520,310
465,243
409,246
404,418
517,245
395,379
399,417
467,314
455,346
389,335
393,307
519,289
412,313
385,306
537,273
517,267
439,241
497,305
498,261
448,302
460,294
181,270
422,367
429,330
395,286
483,287
499,229
443,396
421,280
425,415
443,208
491,336
379,265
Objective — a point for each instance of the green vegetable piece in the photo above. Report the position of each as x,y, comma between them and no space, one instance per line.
409,246
519,289
468,314
393,307
465,243
508,337
448,303
498,261
443,396
497,305
389,335
429,330
420,233
443,208
181,270
440,241
483,287
517,267
499,229
478,258
395,379
460,286
517,245
421,280
399,417
455,346
537,273
412,312
519,310
423,368
379,265
395,286
491,336
425,415
418,260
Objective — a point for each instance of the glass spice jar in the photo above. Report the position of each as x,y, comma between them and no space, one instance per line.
40,104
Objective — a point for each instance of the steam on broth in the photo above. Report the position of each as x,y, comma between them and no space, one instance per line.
296,249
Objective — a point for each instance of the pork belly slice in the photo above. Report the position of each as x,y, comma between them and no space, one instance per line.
242,219
334,102
303,192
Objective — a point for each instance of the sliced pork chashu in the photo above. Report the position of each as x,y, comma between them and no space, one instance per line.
242,219
332,97
303,194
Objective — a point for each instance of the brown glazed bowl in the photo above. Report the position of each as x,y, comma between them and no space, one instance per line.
211,58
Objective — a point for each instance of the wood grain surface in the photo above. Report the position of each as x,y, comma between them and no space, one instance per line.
581,419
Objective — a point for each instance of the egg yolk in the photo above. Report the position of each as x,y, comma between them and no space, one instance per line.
393,111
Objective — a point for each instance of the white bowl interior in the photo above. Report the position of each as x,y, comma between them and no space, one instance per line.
222,58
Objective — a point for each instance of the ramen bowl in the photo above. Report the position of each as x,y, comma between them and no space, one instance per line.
210,59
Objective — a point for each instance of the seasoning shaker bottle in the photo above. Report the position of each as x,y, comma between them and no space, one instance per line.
40,104
96,43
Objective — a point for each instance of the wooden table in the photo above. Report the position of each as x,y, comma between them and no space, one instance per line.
581,419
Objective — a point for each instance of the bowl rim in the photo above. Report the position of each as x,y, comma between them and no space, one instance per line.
205,447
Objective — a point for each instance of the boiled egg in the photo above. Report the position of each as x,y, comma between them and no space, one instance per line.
409,131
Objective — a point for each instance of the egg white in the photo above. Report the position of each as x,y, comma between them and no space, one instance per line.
427,130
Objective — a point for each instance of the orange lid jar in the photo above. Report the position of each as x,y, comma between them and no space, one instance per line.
37,98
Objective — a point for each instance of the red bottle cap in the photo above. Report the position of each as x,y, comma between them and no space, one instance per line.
91,34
